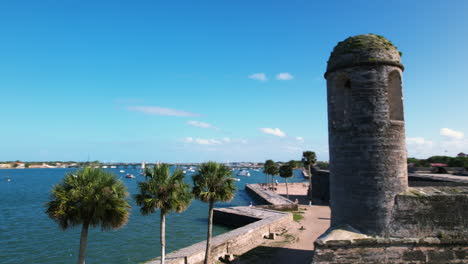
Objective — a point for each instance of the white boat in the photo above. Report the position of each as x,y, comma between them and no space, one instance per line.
113,167
236,179
129,176
121,171
104,167
243,172
191,169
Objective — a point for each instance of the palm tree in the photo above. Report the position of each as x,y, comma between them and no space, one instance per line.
309,159
270,168
89,197
211,184
165,192
286,171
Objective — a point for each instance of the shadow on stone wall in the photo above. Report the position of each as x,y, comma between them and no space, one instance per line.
275,255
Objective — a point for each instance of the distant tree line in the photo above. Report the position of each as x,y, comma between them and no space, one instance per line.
295,164
450,161
51,163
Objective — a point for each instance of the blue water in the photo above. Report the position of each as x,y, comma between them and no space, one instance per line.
28,235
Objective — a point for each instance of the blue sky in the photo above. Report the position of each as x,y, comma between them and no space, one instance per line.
190,81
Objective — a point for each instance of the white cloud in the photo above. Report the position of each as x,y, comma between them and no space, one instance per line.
156,110
452,134
417,141
201,124
284,76
300,139
226,139
258,76
242,141
273,131
202,141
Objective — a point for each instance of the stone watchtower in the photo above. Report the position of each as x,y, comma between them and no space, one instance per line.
368,166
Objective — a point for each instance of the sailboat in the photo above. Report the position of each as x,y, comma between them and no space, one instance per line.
143,166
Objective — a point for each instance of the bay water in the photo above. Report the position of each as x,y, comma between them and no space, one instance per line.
28,235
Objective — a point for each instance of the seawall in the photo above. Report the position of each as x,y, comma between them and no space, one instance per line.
254,225
235,242
270,198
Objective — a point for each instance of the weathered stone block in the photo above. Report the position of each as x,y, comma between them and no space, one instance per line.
440,256
460,254
414,255
327,256
431,212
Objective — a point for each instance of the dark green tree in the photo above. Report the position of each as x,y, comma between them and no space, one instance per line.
211,184
439,159
270,168
89,197
458,162
324,165
293,164
286,171
165,192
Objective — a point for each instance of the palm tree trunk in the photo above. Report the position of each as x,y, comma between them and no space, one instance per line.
210,227
163,237
310,183
287,191
83,242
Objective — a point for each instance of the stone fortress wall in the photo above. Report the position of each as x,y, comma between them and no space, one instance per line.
376,217
253,226
366,135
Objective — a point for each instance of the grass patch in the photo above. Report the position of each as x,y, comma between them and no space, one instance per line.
416,193
297,216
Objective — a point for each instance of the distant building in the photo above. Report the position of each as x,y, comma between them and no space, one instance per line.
439,165
19,165
36,166
462,155
5,166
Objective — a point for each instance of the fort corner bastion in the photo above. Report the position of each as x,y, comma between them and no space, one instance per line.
375,216
366,132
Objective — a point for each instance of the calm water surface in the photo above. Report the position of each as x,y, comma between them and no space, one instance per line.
27,235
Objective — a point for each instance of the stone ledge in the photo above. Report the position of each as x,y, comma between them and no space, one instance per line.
345,245
235,242
274,200
348,236
440,212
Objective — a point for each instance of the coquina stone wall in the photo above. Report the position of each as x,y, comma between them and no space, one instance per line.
431,212
375,217
366,129
235,242
320,187
387,251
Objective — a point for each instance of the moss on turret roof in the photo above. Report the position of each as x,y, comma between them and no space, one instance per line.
363,49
